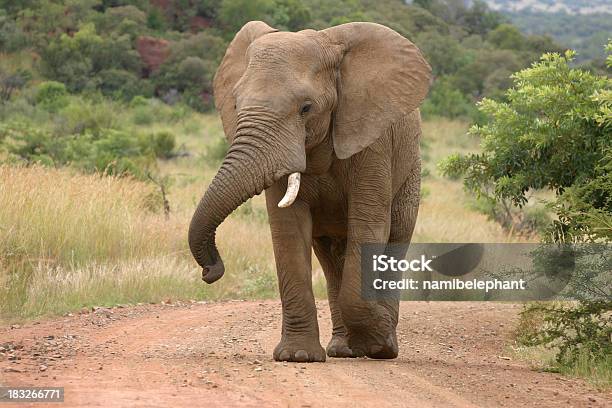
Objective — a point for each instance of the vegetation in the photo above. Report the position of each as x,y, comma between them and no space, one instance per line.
171,49
581,32
108,243
102,131
130,251
578,336
555,132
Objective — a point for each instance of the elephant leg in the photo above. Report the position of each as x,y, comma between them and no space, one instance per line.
404,212
370,326
330,253
291,230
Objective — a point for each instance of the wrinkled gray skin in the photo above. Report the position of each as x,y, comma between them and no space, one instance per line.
340,106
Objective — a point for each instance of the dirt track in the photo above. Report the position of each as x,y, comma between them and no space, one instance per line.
219,354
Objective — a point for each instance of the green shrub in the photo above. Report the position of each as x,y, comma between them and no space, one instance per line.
78,60
574,331
190,68
109,151
162,144
83,115
52,96
12,37
444,100
138,101
555,132
142,115
121,84
155,19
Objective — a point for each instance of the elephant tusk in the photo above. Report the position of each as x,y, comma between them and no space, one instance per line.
293,187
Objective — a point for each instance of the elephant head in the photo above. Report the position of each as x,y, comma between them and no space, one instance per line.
281,94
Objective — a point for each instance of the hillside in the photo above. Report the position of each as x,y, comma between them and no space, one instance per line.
582,25
553,6
170,49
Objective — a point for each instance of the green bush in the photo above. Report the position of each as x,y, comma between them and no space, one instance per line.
84,115
162,144
52,96
78,60
121,84
12,37
233,14
575,332
110,151
143,115
190,68
554,132
138,101
444,100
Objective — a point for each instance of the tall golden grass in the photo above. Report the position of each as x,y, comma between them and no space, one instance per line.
69,240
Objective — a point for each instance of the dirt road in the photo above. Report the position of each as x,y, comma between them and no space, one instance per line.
219,354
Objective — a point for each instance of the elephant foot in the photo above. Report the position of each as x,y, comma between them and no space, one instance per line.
374,346
299,350
338,347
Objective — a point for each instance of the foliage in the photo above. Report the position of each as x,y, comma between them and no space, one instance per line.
445,100
163,144
233,14
584,33
575,331
554,132
78,60
52,96
190,68
506,37
92,44
12,37
11,82
123,85
110,151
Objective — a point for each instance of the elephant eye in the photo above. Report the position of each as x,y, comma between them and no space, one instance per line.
305,108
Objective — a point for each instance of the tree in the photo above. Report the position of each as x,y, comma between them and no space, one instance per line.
506,37
444,53
77,60
290,15
233,14
554,132
480,20
9,83
445,100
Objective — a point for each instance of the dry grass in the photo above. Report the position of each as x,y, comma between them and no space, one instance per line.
444,214
62,217
70,240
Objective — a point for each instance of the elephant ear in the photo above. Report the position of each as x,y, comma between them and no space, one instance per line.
232,68
382,77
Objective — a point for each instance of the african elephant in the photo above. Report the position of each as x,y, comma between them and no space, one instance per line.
327,123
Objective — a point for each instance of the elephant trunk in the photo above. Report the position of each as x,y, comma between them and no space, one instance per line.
248,168
240,177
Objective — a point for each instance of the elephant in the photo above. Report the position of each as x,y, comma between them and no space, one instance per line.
327,123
